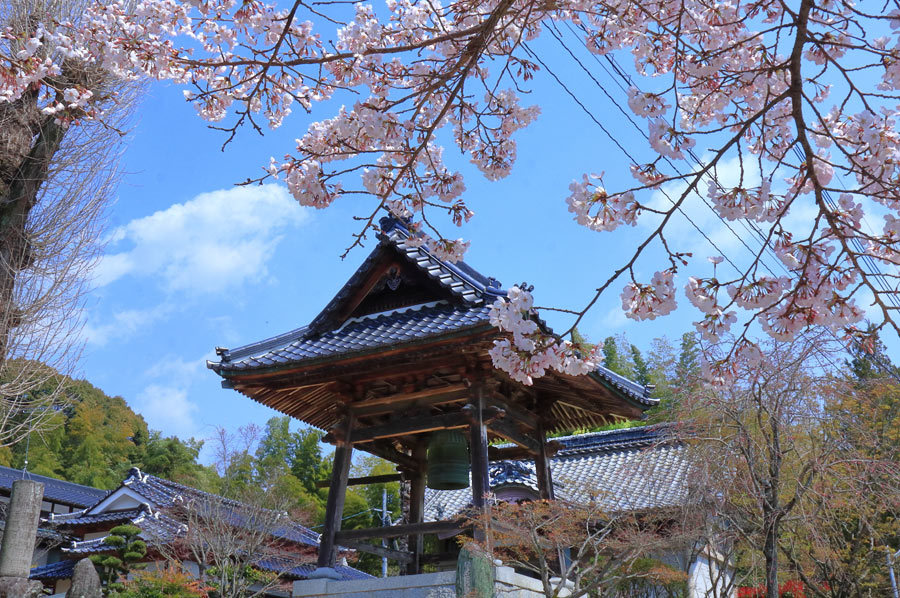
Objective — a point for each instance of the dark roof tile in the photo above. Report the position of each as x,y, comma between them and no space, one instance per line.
360,334
54,490
51,571
632,469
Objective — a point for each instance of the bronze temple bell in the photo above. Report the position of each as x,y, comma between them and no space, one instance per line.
448,461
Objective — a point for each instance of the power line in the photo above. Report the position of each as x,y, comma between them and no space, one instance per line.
751,227
626,152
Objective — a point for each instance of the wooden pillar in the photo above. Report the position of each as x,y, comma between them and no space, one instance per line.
417,507
334,507
542,465
478,448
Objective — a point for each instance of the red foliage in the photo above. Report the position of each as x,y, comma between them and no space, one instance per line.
793,588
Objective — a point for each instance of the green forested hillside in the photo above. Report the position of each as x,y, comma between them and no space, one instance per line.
96,438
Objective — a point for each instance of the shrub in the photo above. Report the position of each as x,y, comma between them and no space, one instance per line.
169,583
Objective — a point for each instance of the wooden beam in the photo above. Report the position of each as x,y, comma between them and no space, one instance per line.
369,479
406,405
417,506
513,411
392,531
386,451
334,506
425,393
542,467
509,431
517,453
395,555
410,425
478,448
440,557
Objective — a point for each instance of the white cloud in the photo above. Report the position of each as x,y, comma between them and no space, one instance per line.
168,409
177,370
615,318
213,242
123,324
685,227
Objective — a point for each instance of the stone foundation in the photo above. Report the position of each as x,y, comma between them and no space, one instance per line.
507,584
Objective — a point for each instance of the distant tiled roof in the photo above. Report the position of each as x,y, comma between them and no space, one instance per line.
156,528
290,571
55,490
632,469
64,570
78,518
52,571
165,494
47,535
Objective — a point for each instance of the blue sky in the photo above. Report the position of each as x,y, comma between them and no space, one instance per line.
193,261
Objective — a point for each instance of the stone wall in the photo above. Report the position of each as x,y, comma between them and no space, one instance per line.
507,584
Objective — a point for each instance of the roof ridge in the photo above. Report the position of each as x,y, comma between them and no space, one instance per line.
390,312
488,286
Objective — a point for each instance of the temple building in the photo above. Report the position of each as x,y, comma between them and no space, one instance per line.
397,365
164,510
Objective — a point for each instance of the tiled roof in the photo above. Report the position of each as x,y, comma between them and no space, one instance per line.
632,469
165,494
291,571
51,571
460,279
51,536
359,334
54,490
474,292
156,528
77,518
324,338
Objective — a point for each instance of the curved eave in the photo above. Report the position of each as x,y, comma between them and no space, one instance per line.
338,357
641,402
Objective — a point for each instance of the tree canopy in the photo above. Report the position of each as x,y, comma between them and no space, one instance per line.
803,98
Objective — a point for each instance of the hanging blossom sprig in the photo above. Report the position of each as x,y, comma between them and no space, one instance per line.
775,87
528,352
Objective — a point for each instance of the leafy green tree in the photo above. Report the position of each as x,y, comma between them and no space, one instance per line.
128,550
661,365
367,500
870,361
174,459
308,464
277,446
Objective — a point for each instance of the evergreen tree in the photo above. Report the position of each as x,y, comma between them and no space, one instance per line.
687,370
308,464
612,360
128,549
661,364
277,446
869,360
641,371
581,343
96,439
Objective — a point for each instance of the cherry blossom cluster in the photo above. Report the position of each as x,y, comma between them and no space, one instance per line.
529,351
648,301
416,75
596,209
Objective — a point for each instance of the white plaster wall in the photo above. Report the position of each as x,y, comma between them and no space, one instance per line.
707,580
